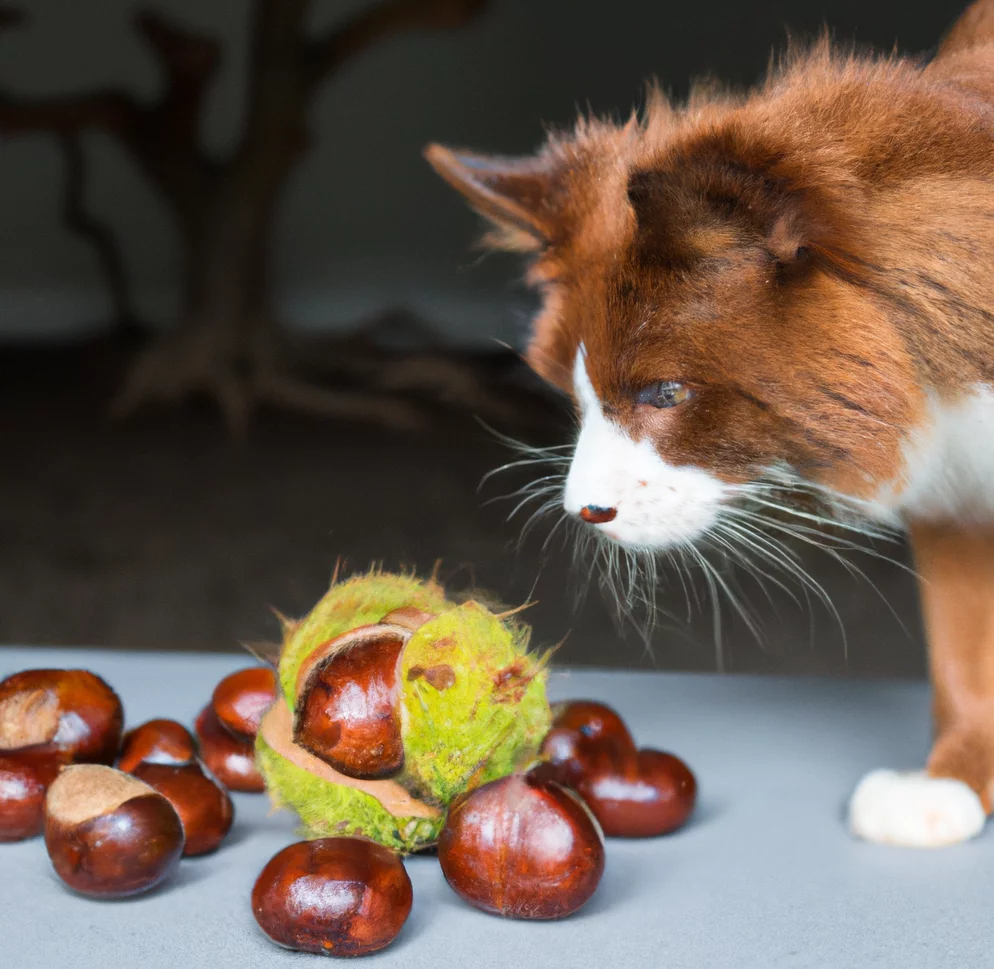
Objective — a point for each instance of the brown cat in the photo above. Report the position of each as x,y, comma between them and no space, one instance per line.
789,291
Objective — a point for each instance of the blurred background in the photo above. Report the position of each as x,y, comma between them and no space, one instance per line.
244,331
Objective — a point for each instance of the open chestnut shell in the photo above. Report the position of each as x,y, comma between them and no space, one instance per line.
108,834
348,702
522,846
156,742
203,805
74,711
333,896
230,759
25,775
242,697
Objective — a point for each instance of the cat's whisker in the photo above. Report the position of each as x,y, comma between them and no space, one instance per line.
551,484
532,497
715,607
523,463
726,533
817,538
854,570
791,565
552,531
757,496
537,515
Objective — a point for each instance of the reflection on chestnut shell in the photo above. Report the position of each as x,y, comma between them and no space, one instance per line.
156,742
230,759
333,896
203,805
108,834
24,778
242,697
522,846
73,710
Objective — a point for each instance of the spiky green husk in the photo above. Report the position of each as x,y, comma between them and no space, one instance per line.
491,718
358,601
479,721
334,810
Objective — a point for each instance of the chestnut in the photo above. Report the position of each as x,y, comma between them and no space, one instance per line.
333,896
523,846
632,793
203,805
156,742
24,778
592,720
230,759
109,834
241,698
74,710
348,702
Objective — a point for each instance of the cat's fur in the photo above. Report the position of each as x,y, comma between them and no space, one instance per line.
814,263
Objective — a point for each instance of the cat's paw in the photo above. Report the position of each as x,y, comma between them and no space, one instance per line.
914,810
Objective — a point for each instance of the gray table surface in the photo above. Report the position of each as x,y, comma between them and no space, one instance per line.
765,876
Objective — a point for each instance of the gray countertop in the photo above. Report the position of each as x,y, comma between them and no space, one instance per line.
764,876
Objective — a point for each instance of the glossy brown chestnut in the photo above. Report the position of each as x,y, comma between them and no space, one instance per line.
156,742
73,710
229,759
333,896
522,846
592,720
633,794
348,702
203,805
24,778
108,834
241,698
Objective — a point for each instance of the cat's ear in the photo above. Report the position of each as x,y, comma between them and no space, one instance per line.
787,239
793,238
515,194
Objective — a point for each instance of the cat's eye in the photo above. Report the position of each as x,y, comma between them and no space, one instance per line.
666,393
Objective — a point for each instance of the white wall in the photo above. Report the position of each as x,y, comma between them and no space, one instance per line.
365,223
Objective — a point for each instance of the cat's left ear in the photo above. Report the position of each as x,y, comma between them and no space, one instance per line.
515,194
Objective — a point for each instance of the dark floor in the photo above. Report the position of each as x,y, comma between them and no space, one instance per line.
160,533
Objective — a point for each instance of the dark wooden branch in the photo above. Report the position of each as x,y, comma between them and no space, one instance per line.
85,224
110,110
189,62
188,58
376,23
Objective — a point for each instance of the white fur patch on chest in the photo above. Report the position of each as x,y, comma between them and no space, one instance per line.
949,462
656,504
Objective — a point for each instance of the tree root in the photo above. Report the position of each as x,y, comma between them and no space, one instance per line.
350,378
182,367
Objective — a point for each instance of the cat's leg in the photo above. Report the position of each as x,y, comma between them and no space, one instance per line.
948,802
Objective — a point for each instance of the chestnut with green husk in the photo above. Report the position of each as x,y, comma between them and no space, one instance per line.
395,700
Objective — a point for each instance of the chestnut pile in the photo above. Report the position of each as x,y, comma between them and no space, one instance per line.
113,831
528,844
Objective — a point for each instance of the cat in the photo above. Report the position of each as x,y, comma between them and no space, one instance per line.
789,289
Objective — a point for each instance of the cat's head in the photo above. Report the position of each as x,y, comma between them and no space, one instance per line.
704,304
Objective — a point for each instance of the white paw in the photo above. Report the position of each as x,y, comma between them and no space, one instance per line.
914,810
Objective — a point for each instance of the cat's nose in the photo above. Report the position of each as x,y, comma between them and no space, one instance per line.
597,515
